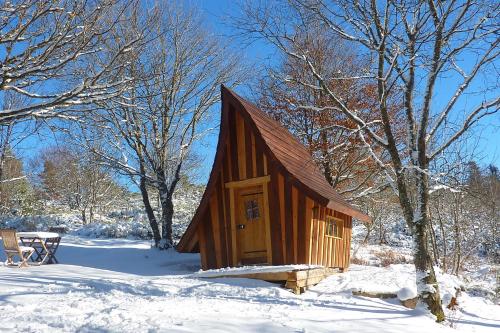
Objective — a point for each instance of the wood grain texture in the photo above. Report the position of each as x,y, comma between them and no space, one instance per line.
248,153
240,135
233,145
288,222
223,225
269,230
301,228
254,155
210,247
295,207
214,219
275,219
281,197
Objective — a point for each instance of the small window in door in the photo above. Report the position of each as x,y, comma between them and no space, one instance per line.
252,210
334,227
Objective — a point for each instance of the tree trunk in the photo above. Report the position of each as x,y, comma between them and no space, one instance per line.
457,255
443,237
167,213
427,286
149,211
91,214
435,249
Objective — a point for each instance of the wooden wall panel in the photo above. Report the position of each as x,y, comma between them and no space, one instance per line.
254,156
275,219
233,146
321,236
259,158
308,226
295,197
226,176
203,246
216,231
223,223
240,134
315,254
288,222
281,195
248,153
348,242
302,225
209,241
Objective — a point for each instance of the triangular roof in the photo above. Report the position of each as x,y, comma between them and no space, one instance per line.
283,148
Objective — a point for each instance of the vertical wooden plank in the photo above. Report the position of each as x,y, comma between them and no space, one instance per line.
310,245
268,225
275,214
223,225
335,252
348,246
301,229
295,205
259,157
232,213
227,217
248,153
265,164
333,247
315,236
328,251
209,238
309,230
288,221
254,157
281,196
203,246
342,248
214,219
233,145
321,236
240,133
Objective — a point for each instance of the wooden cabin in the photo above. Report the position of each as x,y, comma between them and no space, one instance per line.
266,201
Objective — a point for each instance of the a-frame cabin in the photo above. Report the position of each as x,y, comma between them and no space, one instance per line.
266,201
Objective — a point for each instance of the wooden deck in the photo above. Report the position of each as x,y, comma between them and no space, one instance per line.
298,280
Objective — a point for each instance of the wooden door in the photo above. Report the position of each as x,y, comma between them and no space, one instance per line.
251,227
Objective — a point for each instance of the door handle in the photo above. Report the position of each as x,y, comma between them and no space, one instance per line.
241,226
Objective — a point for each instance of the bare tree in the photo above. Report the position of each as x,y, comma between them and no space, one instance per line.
416,46
45,48
74,178
329,134
150,134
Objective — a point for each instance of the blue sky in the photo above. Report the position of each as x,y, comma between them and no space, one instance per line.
260,54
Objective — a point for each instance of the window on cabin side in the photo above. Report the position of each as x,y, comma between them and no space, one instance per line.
252,209
334,227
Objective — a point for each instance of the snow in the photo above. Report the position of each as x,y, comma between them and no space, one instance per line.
122,285
406,293
250,270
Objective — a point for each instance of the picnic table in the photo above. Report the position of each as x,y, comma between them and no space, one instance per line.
44,243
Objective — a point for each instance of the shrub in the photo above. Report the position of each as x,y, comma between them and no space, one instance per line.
389,257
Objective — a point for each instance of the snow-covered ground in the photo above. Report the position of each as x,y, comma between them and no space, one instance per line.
121,285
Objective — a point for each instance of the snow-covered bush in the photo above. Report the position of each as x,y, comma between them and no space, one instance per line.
115,230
